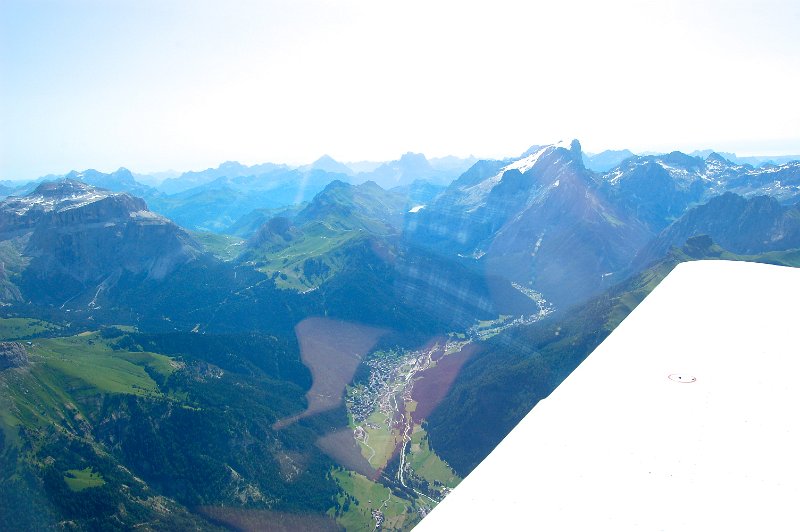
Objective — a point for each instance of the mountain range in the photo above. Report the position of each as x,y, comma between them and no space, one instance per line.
320,348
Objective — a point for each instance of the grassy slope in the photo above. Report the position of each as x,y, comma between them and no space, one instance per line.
24,328
335,218
224,247
427,464
370,496
90,359
81,479
66,371
319,241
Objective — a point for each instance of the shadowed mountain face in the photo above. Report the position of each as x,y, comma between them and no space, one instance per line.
541,221
648,192
276,233
70,237
247,225
658,189
746,226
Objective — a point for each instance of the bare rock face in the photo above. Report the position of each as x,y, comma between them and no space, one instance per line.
540,221
13,355
73,239
275,234
747,226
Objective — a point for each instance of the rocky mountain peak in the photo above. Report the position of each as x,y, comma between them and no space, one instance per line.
63,198
716,157
63,188
326,163
13,355
336,184
414,159
574,146
275,234
67,195
234,166
77,237
123,174
681,159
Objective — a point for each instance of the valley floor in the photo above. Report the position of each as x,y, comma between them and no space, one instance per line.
388,411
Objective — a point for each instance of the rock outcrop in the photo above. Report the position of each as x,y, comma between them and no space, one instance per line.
13,355
70,238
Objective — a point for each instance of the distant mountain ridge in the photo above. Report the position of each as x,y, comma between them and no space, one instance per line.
660,187
753,160
328,164
410,167
746,226
229,169
606,160
216,198
415,167
121,180
221,202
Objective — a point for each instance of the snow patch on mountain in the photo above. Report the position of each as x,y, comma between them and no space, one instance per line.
475,194
524,164
82,200
47,203
566,144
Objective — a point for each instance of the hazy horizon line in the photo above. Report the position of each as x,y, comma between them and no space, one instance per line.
108,169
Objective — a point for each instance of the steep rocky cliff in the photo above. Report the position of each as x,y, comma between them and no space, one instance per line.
67,237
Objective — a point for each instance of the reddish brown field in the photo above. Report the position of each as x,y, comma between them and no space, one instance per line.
246,519
332,350
435,382
342,447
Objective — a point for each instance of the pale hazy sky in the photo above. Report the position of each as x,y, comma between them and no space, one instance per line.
154,85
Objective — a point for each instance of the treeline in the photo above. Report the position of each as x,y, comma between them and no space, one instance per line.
249,353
